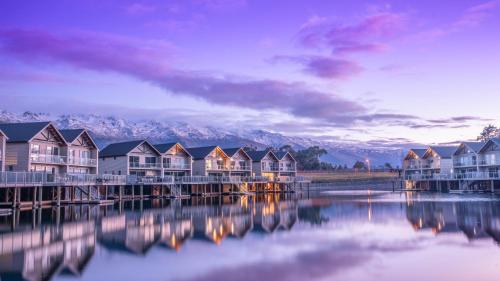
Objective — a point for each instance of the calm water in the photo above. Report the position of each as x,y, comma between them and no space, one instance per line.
355,236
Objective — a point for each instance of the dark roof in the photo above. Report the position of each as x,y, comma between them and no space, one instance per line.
259,155
419,151
22,132
282,154
3,134
122,148
493,140
444,151
164,147
71,134
231,151
200,152
496,140
475,145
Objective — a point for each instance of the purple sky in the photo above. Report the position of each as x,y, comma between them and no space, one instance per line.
426,71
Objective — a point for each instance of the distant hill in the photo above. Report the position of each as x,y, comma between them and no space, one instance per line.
107,129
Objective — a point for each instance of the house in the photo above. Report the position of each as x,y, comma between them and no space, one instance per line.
489,158
82,152
413,161
466,157
176,160
240,164
3,139
209,161
137,157
438,160
264,163
35,146
287,164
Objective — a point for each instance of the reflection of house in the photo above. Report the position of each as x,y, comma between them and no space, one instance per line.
288,215
130,158
209,161
137,237
42,253
267,217
175,159
240,163
82,152
36,146
174,233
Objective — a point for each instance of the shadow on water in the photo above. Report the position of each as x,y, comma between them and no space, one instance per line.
40,244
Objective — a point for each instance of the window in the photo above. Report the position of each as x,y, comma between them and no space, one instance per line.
35,149
133,159
85,154
150,160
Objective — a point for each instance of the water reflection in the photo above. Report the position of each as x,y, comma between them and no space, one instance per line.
42,244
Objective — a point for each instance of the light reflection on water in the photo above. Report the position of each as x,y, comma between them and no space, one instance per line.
359,235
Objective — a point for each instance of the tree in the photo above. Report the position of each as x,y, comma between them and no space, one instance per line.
359,165
388,166
488,133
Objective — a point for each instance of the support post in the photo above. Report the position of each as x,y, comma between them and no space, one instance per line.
33,205
58,196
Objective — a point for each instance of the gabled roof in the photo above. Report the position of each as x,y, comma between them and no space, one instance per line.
486,144
257,156
165,147
24,132
201,152
474,146
3,134
443,151
232,151
282,154
70,135
420,152
123,148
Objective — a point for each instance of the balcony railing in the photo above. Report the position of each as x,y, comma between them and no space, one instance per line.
287,169
492,162
49,159
270,168
82,161
144,165
179,166
149,180
457,176
465,164
240,168
216,167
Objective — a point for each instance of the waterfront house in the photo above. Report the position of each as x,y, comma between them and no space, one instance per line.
264,163
438,160
240,163
466,157
35,146
137,157
287,164
209,161
489,158
3,139
82,152
413,161
176,160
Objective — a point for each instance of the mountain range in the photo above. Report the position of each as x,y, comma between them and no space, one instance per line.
108,129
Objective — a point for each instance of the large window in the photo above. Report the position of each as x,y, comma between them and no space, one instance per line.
150,160
134,160
35,149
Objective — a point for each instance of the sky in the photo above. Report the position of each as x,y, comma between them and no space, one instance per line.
409,71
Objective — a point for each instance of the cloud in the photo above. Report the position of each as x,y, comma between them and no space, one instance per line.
323,67
364,36
221,4
148,61
139,9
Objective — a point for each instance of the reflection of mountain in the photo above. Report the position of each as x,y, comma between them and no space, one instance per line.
477,220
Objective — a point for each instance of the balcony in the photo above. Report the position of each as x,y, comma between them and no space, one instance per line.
217,167
271,168
82,161
240,168
489,162
287,169
177,166
48,159
135,165
465,164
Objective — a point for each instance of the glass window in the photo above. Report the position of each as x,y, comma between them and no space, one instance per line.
133,159
150,160
35,149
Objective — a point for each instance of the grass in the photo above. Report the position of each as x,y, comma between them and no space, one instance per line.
336,176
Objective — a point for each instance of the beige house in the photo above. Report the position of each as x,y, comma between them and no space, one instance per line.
36,146
209,161
137,157
3,139
175,159
413,161
264,163
438,160
82,152
287,164
466,157
240,164
489,158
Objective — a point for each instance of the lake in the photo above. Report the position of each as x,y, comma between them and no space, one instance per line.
333,235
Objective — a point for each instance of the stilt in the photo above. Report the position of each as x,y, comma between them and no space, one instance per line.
14,198
120,193
58,196
133,193
88,194
33,205
40,195
492,186
141,191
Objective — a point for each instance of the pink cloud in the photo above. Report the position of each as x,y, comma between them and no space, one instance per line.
148,61
324,67
363,36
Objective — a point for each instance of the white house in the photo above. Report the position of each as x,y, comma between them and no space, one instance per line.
137,157
176,160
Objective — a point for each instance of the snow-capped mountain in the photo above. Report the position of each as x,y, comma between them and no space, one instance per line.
107,129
